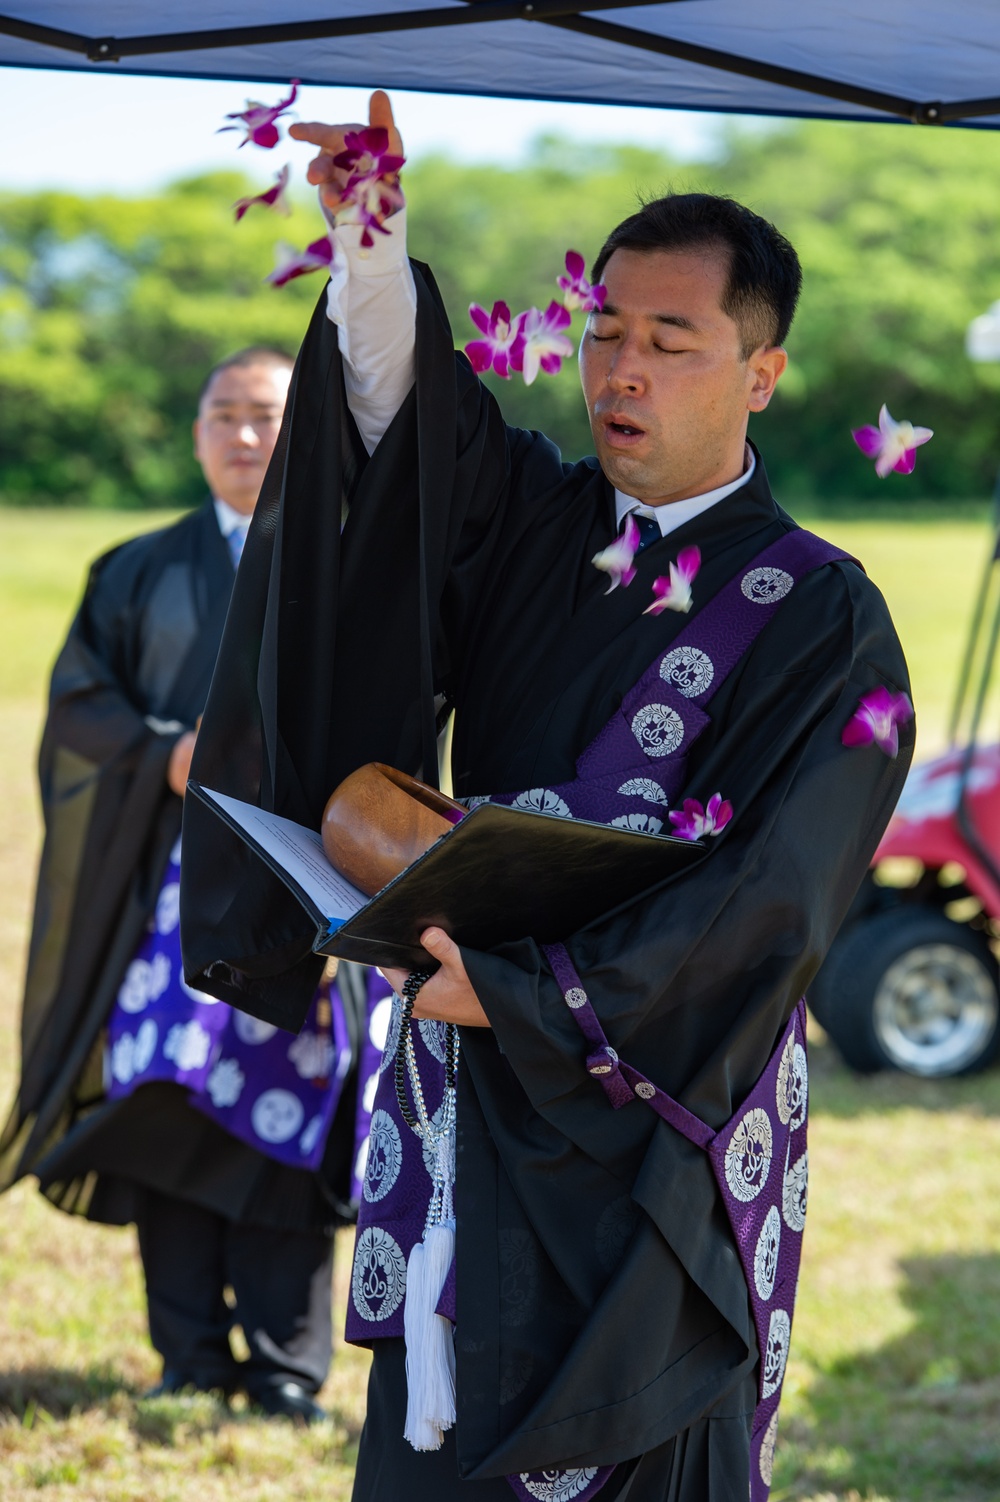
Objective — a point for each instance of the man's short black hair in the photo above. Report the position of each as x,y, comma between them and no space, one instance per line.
765,277
254,354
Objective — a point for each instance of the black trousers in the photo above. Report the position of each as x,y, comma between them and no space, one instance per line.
281,1281
706,1463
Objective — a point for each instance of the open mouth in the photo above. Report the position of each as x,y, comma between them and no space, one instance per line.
620,432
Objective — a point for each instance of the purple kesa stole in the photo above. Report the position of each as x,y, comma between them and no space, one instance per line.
633,769
276,1092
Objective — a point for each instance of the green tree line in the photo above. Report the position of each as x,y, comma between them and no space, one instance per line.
111,309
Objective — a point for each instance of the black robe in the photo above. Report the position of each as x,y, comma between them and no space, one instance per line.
133,674
601,1306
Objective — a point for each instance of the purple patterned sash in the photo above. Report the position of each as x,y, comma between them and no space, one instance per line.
761,1165
636,764
275,1092
628,774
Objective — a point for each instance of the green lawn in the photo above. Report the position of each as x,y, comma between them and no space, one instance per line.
893,1393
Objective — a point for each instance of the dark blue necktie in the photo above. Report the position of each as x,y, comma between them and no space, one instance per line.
649,530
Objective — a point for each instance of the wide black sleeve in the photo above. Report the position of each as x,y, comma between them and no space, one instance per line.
339,638
109,820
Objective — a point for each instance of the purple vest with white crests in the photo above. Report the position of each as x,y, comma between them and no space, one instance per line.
275,1092
627,776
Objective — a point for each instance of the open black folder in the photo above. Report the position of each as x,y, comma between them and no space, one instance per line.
499,874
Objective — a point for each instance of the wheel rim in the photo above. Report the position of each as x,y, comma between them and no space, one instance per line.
935,1009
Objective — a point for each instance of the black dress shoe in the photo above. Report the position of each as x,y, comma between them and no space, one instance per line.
289,1400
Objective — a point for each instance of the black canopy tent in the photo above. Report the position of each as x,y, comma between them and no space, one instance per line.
922,61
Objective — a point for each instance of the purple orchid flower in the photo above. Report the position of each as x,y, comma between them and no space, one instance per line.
258,119
366,153
499,331
893,445
274,198
293,263
877,718
618,559
673,592
577,291
693,822
371,190
540,342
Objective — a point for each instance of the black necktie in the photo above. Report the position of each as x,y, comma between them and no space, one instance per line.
649,530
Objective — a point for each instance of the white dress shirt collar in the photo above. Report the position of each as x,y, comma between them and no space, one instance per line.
230,520
674,515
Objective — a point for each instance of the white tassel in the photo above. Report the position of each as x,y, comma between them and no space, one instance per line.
430,1345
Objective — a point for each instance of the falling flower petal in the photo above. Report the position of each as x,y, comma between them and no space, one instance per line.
371,192
617,560
577,291
293,263
258,119
367,152
540,343
274,198
692,822
893,445
499,331
673,592
877,718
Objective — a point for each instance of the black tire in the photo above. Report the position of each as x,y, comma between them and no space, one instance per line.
908,989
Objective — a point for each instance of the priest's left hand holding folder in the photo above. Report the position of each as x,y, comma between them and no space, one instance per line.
448,995
614,1132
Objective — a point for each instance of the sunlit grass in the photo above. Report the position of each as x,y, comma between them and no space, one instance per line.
893,1392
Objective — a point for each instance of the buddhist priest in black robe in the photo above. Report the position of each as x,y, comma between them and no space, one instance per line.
602,1312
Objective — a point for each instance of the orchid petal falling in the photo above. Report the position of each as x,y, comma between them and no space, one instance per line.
274,198
371,190
692,822
673,592
893,445
877,718
499,330
540,343
258,119
577,292
618,560
292,263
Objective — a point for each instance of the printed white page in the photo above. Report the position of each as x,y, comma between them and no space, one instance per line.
299,851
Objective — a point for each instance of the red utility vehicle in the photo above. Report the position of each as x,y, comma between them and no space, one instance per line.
912,980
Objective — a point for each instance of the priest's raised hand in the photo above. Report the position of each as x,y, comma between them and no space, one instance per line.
331,140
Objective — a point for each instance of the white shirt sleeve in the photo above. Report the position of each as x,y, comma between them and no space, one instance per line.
373,302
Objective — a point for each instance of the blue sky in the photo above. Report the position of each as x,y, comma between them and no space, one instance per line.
92,131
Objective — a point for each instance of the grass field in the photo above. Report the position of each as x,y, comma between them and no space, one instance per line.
893,1393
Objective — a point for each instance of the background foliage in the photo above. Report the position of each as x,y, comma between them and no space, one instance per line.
111,309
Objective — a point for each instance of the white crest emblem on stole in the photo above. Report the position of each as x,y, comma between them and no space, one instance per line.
543,801
276,1115
748,1156
644,787
378,1280
765,1259
658,729
557,1486
385,1157
776,1355
689,669
795,1193
766,586
767,1450
792,1090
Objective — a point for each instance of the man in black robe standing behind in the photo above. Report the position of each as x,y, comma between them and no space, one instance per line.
603,1318
127,692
